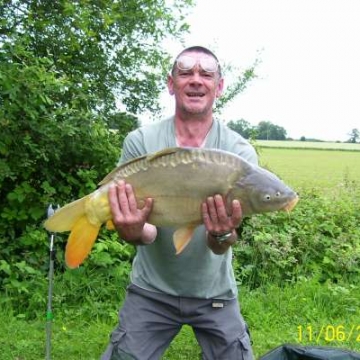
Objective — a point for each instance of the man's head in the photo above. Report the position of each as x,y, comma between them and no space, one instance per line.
195,81
183,60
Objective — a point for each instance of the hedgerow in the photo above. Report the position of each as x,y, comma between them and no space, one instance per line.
319,238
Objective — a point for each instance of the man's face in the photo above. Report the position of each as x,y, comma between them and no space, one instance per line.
195,84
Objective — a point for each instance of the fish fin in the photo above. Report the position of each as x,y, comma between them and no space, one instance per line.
110,225
112,175
182,237
80,242
163,152
66,217
150,157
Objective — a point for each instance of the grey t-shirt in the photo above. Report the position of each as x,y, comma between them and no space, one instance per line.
197,271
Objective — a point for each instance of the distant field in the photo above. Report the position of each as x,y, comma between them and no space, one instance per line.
305,168
309,145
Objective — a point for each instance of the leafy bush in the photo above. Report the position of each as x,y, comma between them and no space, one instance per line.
51,152
64,69
98,285
319,238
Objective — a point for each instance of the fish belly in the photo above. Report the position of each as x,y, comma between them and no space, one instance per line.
175,211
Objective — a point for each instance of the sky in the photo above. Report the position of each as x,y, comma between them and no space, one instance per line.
308,77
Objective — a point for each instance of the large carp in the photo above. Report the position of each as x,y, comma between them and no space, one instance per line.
179,180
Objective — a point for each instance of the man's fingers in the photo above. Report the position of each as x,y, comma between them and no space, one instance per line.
205,215
211,209
216,217
236,216
132,204
147,207
122,198
113,197
220,209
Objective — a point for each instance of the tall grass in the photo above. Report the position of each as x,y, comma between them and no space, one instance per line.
291,313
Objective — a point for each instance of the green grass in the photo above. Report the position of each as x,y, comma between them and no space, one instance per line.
324,313
303,168
305,312
309,145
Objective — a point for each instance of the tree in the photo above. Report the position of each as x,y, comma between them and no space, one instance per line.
65,67
242,127
354,136
268,131
109,48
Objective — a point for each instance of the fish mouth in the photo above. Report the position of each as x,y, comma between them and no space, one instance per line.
290,205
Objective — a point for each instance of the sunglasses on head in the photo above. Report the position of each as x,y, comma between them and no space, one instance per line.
208,64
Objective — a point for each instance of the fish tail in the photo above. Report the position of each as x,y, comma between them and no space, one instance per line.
66,217
80,242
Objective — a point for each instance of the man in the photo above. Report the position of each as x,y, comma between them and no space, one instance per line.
198,286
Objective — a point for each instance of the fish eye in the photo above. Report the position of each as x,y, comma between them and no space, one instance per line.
267,197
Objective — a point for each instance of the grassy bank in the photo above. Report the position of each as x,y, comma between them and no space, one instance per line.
306,313
318,145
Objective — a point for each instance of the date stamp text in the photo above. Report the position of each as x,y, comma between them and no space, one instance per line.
329,333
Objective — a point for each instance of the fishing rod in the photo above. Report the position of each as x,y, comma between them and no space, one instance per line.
49,313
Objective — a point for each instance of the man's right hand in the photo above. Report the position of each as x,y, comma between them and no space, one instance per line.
129,221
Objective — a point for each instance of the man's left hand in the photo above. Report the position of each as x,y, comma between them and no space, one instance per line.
216,218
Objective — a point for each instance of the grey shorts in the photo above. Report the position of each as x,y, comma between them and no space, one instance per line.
149,321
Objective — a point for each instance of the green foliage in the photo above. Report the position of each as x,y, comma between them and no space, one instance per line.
265,130
354,136
107,48
296,313
19,284
268,131
242,127
103,276
49,154
319,238
66,67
